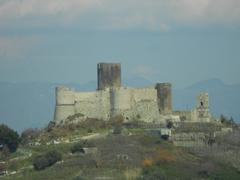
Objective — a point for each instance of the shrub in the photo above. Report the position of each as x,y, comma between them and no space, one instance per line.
29,135
48,159
170,124
90,130
40,163
77,148
9,138
51,125
165,137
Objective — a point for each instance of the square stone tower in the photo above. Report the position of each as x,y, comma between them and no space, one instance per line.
203,106
109,75
164,95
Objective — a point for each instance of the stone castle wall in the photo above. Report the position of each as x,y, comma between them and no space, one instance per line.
131,103
145,104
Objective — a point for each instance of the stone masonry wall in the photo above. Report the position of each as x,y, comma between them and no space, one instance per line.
133,104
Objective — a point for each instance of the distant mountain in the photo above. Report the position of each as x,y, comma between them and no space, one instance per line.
136,81
24,105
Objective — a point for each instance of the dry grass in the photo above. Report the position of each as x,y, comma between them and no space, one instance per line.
132,174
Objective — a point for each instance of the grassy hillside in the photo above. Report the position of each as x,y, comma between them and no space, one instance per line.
131,155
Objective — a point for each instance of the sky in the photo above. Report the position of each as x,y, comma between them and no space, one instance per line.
177,41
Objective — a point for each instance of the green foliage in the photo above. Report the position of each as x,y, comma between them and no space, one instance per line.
77,148
9,138
29,135
75,116
48,159
169,124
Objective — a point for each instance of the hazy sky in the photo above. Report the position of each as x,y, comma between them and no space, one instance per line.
181,41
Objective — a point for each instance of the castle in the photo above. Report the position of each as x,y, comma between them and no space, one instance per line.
153,104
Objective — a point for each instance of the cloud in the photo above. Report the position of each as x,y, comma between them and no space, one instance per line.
115,14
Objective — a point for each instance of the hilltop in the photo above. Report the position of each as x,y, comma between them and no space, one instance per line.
96,149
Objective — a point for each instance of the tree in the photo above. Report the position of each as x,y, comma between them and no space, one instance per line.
9,138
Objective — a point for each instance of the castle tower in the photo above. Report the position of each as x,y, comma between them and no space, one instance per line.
65,102
109,75
164,95
203,112
203,101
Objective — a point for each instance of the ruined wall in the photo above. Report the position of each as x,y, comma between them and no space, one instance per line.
190,139
109,75
185,116
202,111
164,96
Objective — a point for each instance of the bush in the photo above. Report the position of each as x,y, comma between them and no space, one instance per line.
77,148
51,125
46,160
9,138
29,135
170,124
165,137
